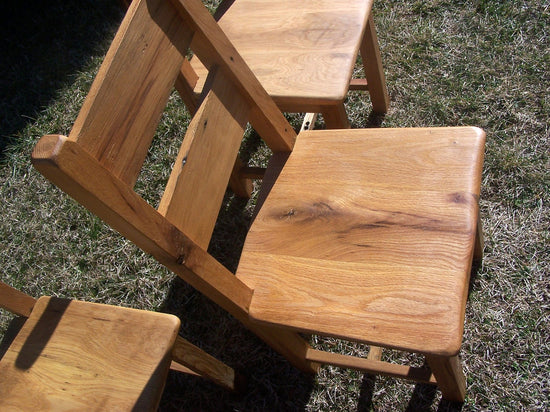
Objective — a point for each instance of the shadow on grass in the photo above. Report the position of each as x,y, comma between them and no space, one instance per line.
13,329
43,45
366,394
272,383
374,120
422,398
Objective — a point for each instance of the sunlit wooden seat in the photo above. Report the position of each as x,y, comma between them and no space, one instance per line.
368,235
304,52
74,355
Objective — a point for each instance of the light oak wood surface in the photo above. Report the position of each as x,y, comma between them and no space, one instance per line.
205,161
122,354
203,364
419,374
118,361
368,235
77,173
215,49
78,169
147,56
303,52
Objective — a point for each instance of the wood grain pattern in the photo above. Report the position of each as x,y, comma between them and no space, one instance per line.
118,361
368,235
78,174
15,301
138,74
74,171
203,364
215,49
199,178
97,185
303,52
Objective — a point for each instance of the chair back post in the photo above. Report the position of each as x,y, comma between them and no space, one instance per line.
16,301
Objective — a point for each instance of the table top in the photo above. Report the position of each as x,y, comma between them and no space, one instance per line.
303,52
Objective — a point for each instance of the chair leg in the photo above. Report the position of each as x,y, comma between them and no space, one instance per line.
449,375
202,364
240,186
336,117
374,71
289,344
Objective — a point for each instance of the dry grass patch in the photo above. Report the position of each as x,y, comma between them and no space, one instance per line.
475,62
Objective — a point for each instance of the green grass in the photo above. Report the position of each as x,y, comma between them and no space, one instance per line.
482,63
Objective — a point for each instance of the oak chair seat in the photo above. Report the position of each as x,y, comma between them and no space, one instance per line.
75,355
368,236
304,52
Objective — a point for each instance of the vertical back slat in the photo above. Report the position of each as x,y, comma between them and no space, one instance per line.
120,115
196,187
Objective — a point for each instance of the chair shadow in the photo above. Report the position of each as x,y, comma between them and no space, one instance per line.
12,330
43,45
41,333
422,399
273,384
375,120
366,393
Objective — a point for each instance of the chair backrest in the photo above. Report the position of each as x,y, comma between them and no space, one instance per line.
100,160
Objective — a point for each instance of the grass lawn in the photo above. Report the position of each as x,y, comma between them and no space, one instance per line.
479,62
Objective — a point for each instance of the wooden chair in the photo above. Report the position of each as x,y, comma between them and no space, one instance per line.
366,235
303,53
74,355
